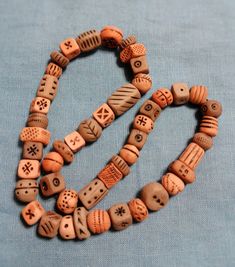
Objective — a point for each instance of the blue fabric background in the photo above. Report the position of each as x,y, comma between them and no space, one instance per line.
190,41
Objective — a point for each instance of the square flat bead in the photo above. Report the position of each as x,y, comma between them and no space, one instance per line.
104,115
137,50
137,138
150,109
40,105
48,87
139,65
29,169
52,184
32,150
74,141
180,92
70,48
35,134
32,212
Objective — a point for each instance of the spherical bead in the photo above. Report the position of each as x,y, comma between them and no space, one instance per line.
198,94
129,153
173,184
203,140
138,210
211,108
98,221
111,36
26,190
52,162
163,97
67,201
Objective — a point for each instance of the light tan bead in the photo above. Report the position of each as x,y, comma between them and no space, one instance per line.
48,87
40,105
137,50
138,210
104,115
80,223
66,228
203,140
209,125
98,221
26,190
54,70
74,141
143,123
70,48
32,212
198,94
52,162
172,183
29,169
67,201
35,134
143,82
163,97
111,36
129,153
180,92
139,65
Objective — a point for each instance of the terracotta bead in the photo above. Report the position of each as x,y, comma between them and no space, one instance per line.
66,228
32,212
98,221
110,175
32,150
29,169
52,162
49,224
59,59
90,130
172,183
182,171
121,165
180,92
26,190
212,108
209,125
120,216
92,193
54,70
129,153
198,94
137,50
48,87
80,223
125,55
104,115
128,41
192,155
64,150
74,141
138,210
154,196
67,201
70,48
37,120
111,36
35,134
40,105
52,184
89,40
143,82
139,65
163,97
150,109
143,123
203,140
137,138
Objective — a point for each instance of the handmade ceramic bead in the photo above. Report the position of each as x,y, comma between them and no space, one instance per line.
163,97
90,130
54,70
52,162
66,228
128,41
121,165
182,171
51,184
180,92
59,59
26,190
198,94
29,169
104,115
125,55
67,201
129,153
154,196
40,105
143,123
80,223
37,120
63,150
209,125
138,210
150,109
137,138
111,36
212,108
143,82
203,140
35,134
49,224
110,175
70,48
120,216
139,65
137,50
32,212
89,40
98,221
172,183
192,155
74,141
92,193
32,150
48,87
124,98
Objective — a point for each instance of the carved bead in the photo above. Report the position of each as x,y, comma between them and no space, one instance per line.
173,184
212,108
138,210
98,221
198,94
52,162
163,97
111,36
129,153
143,82
143,123
67,201
209,125
203,140
70,48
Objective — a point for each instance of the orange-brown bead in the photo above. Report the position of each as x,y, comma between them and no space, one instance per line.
173,184
98,221
67,201
52,162
129,153
198,94
138,210
209,125
54,70
163,97
111,36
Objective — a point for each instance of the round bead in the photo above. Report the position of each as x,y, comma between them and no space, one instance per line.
52,162
143,82
163,97
128,41
67,201
212,108
203,140
90,130
173,184
138,210
37,120
129,153
209,125
111,36
63,150
66,228
26,190
98,221
143,123
198,94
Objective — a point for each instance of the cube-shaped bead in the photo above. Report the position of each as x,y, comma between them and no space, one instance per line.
29,169
52,184
143,123
32,212
150,109
32,150
49,224
66,228
180,92
137,50
40,105
54,70
70,48
75,141
104,115
137,138
48,87
139,65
